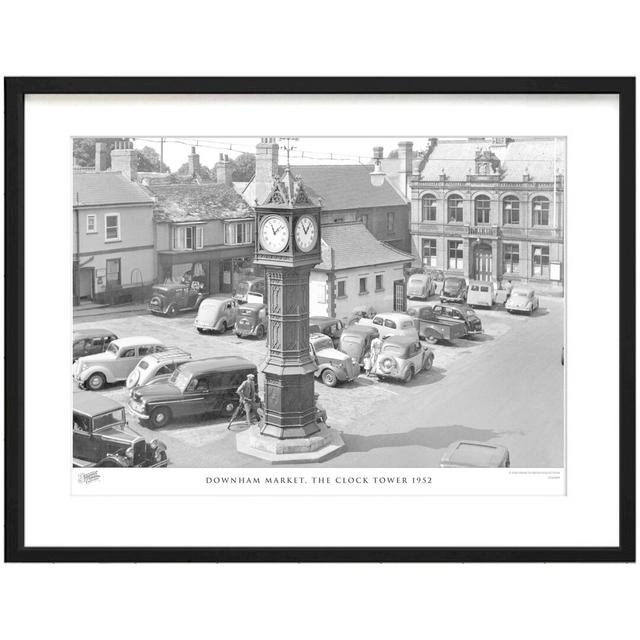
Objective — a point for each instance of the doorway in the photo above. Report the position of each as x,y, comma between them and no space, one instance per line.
482,262
225,276
85,284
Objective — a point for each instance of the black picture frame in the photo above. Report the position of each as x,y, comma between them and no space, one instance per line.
15,91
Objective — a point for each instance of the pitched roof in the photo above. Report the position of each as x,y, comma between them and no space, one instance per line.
195,202
350,244
340,186
346,186
107,187
535,155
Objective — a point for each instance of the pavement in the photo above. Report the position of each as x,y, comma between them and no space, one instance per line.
504,387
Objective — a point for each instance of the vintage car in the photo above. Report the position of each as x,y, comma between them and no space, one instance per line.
355,341
460,312
194,388
433,328
402,357
156,366
392,324
437,279
169,299
522,300
454,289
101,437
250,290
481,294
333,366
469,453
251,320
86,342
362,311
331,327
217,313
116,363
420,286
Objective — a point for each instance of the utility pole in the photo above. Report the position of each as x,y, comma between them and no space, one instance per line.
161,151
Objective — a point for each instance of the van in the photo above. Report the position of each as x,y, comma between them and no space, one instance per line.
481,294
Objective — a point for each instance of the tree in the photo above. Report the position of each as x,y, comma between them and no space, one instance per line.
244,167
84,150
149,160
205,172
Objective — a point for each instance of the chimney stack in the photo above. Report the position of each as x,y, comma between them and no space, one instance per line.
125,159
266,167
405,154
378,153
102,157
194,163
224,170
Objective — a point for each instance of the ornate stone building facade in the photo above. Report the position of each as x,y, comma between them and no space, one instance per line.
491,209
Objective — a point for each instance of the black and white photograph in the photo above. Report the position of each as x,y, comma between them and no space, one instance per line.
352,302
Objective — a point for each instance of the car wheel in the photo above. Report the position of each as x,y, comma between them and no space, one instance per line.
431,338
224,327
260,332
172,311
159,417
200,330
228,407
408,376
96,381
428,363
109,462
329,378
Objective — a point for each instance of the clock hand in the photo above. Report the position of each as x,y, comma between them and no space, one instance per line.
305,229
272,230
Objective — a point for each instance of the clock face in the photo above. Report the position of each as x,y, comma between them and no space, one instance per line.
274,233
306,233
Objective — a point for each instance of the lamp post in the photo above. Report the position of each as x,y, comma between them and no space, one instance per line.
287,245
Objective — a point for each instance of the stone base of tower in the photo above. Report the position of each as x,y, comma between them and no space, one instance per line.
314,448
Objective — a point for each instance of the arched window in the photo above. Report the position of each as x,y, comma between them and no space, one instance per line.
454,208
428,208
540,206
511,210
482,206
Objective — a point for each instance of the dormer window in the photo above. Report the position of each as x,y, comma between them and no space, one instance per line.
188,238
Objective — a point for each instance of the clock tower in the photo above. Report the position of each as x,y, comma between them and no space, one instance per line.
287,245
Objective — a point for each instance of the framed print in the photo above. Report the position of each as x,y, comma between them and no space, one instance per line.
320,319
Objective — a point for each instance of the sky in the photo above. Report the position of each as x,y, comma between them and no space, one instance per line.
307,150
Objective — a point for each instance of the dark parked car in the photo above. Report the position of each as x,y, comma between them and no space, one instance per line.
460,312
432,327
331,327
355,341
194,388
89,341
101,437
251,320
169,299
454,289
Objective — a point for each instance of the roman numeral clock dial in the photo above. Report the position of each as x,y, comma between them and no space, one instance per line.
306,233
274,233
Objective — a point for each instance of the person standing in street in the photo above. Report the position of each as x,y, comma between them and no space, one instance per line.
507,287
247,395
376,347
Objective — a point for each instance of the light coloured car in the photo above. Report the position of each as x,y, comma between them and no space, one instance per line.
333,366
522,300
217,313
420,286
472,454
392,324
156,366
402,357
116,363
481,294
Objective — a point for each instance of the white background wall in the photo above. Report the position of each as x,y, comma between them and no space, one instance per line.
364,601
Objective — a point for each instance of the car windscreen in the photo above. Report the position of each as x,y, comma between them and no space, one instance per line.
518,293
322,343
394,350
180,379
357,340
243,311
108,419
